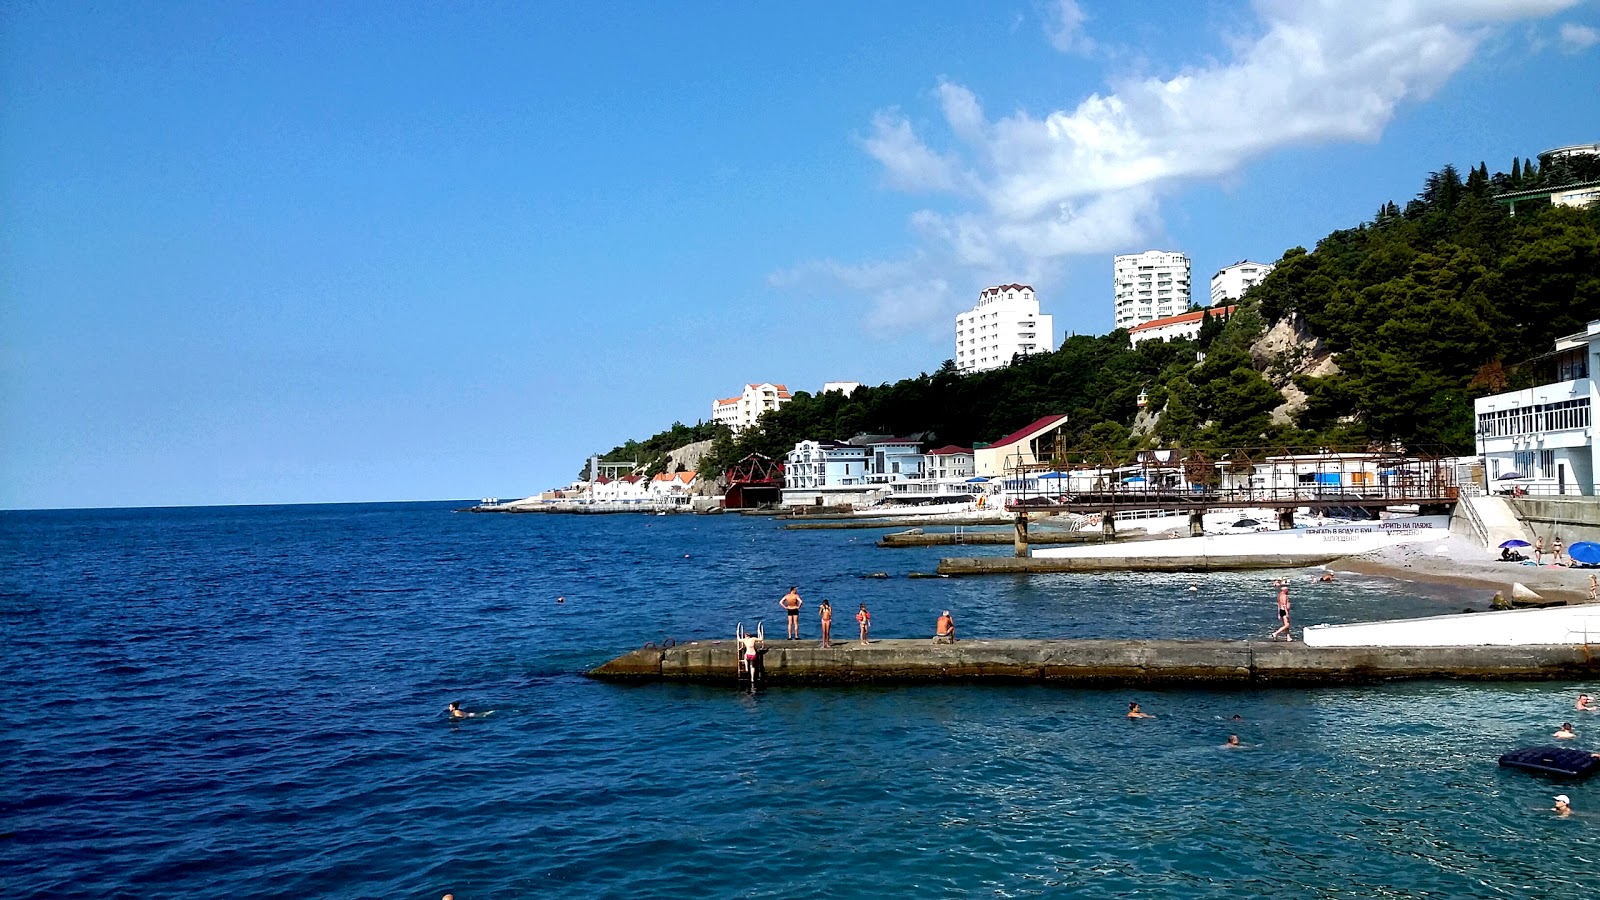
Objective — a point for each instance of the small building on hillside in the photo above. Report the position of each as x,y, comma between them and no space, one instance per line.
1186,326
1541,439
1030,445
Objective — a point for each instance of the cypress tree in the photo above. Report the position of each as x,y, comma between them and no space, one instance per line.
1516,172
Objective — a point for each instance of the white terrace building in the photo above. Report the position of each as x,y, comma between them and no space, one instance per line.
1545,434
1186,326
1005,322
1231,282
741,412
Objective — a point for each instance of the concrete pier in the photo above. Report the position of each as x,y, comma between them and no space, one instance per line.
1104,662
1035,565
903,522
951,538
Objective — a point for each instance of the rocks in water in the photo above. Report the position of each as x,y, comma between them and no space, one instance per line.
876,575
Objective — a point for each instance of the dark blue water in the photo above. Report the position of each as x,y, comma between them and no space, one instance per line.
250,703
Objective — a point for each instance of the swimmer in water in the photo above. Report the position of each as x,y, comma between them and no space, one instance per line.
1584,704
456,712
1134,712
1565,732
1563,805
1193,588
1326,577
1233,743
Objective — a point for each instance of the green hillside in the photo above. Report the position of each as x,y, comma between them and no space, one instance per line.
1424,308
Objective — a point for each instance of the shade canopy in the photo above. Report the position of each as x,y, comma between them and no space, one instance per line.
1246,523
1134,480
1053,475
1510,476
979,480
1586,552
1514,542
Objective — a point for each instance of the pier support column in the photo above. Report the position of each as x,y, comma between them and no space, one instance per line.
1108,524
1021,545
1286,517
1197,523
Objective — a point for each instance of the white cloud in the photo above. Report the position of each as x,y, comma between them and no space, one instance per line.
1064,27
1089,180
1578,38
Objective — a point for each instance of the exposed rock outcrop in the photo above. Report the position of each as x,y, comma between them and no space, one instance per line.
1288,349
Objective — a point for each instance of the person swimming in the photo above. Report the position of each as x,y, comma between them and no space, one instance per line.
1563,805
1565,732
1134,712
1585,704
1233,743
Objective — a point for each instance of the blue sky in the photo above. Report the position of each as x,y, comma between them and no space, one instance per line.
280,252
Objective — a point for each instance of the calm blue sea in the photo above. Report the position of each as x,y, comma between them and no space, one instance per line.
249,702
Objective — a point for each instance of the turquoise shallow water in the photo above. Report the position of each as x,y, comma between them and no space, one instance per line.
249,703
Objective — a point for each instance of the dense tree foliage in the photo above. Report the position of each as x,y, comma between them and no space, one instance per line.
651,453
1419,305
1424,307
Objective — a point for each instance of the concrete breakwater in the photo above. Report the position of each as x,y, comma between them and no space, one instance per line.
1036,565
1098,662
910,522
954,538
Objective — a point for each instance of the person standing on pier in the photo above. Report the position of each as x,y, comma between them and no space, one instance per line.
1283,614
826,612
791,604
864,619
1555,553
1538,550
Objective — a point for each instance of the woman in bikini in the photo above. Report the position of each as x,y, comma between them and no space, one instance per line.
864,619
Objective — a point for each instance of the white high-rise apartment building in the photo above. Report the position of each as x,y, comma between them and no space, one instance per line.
1005,322
1150,285
1230,282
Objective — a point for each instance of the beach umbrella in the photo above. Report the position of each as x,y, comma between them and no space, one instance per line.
1246,523
1510,476
1053,475
1514,542
1586,552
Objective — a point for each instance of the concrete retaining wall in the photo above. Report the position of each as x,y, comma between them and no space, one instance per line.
1570,518
1112,662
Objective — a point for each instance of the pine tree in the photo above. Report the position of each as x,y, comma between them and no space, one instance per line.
1516,173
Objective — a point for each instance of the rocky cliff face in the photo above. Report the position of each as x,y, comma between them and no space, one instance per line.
1288,349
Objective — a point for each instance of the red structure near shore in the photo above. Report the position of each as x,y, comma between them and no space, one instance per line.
753,482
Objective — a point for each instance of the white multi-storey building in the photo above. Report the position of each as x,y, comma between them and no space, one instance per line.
1230,282
1149,285
1541,439
742,411
1005,322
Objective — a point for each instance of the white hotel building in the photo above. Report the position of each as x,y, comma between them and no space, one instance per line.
1149,285
1545,434
1005,322
741,412
1230,282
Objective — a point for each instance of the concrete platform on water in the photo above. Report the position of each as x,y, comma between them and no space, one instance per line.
1101,662
1033,565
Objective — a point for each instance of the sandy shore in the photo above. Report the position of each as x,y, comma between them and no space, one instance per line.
1460,562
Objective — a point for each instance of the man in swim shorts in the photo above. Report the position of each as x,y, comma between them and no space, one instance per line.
791,604
944,631
1283,614
749,647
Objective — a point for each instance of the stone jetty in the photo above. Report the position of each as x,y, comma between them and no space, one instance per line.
1099,662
